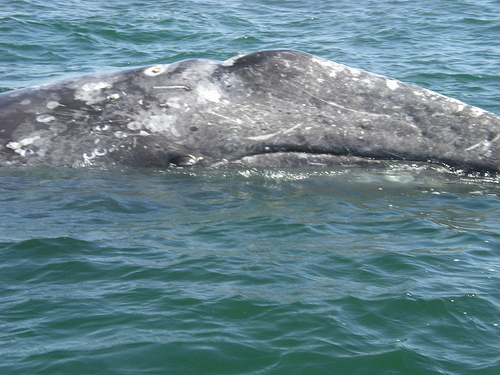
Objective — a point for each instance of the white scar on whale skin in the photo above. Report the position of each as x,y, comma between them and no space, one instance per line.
265,137
172,87
486,144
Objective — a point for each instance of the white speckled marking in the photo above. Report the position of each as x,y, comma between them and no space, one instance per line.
89,92
477,111
208,94
95,86
158,123
334,67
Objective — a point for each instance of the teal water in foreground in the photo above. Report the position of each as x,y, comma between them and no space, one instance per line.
343,271
387,270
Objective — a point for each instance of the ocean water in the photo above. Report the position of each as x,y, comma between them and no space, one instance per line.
393,269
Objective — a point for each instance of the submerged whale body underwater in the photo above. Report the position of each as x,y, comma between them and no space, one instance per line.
272,108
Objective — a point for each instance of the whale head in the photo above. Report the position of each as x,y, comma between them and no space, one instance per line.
271,108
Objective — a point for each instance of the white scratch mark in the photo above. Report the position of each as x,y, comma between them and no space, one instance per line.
486,144
265,137
172,87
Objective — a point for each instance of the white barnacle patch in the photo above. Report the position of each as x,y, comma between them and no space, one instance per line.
18,147
120,134
14,146
154,71
90,155
134,125
53,104
392,84
100,151
87,156
45,118
27,141
113,96
26,102
101,127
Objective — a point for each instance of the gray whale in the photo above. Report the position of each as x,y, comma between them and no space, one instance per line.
270,108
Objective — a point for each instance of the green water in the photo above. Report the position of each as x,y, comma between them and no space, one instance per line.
248,272
388,270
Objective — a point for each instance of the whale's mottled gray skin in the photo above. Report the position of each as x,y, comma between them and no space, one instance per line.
272,108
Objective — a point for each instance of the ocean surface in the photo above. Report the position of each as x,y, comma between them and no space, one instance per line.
390,269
